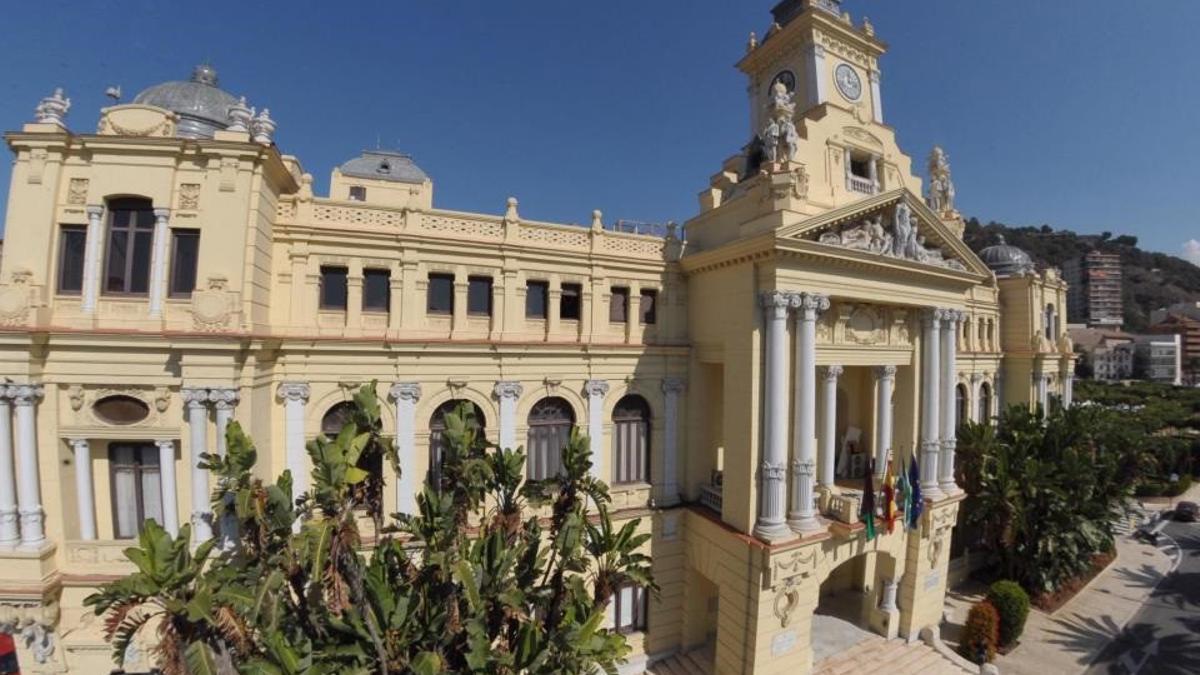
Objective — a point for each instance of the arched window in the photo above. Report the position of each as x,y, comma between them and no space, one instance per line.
631,440
130,240
437,440
961,399
985,403
550,423
370,490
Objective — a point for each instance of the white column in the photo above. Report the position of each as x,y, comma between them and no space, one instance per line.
773,466
406,395
596,390
158,262
930,398
10,534
815,62
885,381
170,490
91,258
1068,389
508,393
294,395
802,514
949,411
1043,393
873,172
223,401
974,398
29,489
195,401
85,494
876,99
828,461
672,388
890,586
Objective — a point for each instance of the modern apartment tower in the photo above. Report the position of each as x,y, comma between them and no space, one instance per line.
1094,290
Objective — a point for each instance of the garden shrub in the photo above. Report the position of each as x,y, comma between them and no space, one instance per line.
981,633
1012,604
1176,488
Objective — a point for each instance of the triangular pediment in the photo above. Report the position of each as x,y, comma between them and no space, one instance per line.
896,225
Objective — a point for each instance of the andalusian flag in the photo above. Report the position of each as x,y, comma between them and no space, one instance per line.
867,512
903,492
918,501
889,500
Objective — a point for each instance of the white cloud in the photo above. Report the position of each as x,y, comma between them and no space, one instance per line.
1191,251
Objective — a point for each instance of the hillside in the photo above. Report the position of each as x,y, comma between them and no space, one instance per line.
1152,280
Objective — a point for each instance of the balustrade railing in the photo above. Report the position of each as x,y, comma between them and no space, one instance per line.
710,497
858,184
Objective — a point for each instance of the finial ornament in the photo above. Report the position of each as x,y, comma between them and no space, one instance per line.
941,186
263,128
752,43
53,109
239,116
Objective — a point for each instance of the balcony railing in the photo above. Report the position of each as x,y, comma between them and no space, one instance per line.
710,497
859,184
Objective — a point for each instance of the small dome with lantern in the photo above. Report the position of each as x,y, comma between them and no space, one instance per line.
202,106
1007,260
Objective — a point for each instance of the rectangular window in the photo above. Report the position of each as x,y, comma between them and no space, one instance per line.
377,290
441,294
537,299
649,307
136,487
130,238
185,252
358,193
333,288
630,609
72,242
618,306
571,305
479,296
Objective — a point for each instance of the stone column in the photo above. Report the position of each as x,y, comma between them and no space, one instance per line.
85,491
158,262
170,489
29,489
890,586
828,461
930,397
295,396
91,259
876,99
596,390
949,411
802,515
10,534
873,172
406,395
885,382
224,401
1043,393
672,388
1068,389
195,401
508,393
773,465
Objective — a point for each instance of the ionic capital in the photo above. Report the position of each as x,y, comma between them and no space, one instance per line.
94,211
772,471
832,373
595,388
885,373
294,391
405,391
79,444
161,214
776,303
24,394
673,385
224,399
194,397
809,305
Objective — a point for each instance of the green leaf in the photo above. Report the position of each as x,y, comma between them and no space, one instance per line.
200,660
427,663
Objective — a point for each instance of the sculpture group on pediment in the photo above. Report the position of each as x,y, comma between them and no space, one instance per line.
903,241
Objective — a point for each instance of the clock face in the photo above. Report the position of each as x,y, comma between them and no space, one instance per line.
848,82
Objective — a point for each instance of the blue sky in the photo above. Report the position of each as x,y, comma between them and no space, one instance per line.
1076,113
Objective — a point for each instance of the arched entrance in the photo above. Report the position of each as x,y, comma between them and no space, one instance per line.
856,600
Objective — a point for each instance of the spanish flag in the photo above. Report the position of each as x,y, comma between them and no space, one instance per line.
889,499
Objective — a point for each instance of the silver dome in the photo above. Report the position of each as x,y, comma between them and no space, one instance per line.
203,108
384,165
1006,260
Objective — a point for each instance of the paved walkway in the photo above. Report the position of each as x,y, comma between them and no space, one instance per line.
876,656
1070,639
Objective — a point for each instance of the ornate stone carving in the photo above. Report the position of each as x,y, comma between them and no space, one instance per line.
832,373
263,128
212,308
509,390
941,186
239,116
809,303
787,599
673,385
595,388
781,141
75,397
189,196
865,326
298,391
162,399
16,299
77,191
862,135
223,399
53,109
33,623
903,241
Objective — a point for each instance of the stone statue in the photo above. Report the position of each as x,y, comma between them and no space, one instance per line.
781,98
770,140
941,186
52,109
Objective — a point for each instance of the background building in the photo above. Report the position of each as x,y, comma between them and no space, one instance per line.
1182,320
1095,290
173,271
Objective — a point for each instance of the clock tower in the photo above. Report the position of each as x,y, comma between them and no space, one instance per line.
814,49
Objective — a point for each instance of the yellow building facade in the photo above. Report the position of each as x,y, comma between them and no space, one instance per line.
173,271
